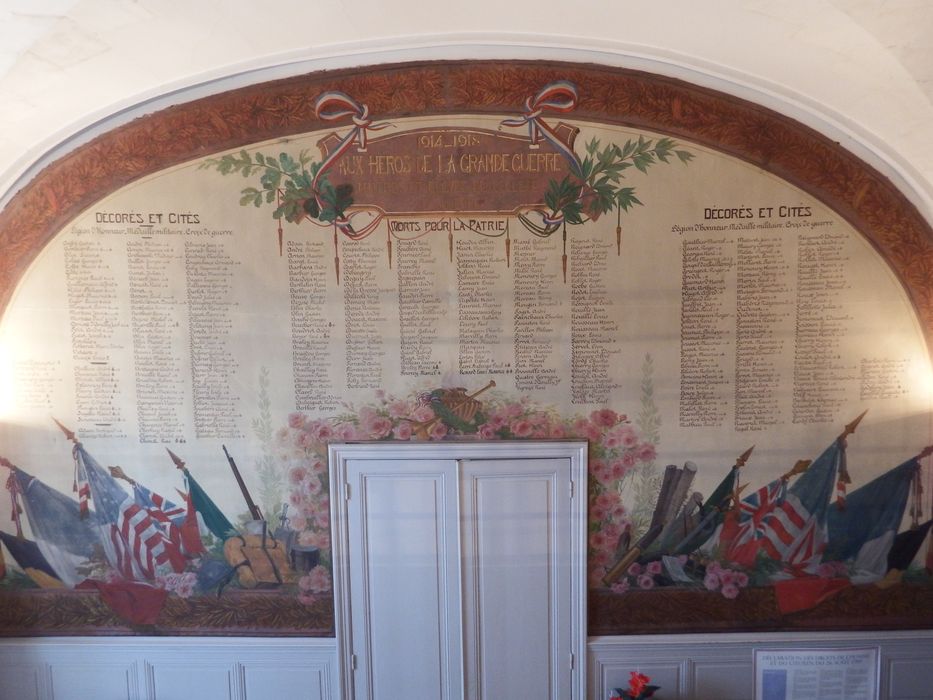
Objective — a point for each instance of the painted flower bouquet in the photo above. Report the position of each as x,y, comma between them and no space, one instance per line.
638,688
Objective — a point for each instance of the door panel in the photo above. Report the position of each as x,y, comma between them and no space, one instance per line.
404,564
459,570
517,578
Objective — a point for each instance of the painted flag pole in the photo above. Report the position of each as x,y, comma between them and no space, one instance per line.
213,517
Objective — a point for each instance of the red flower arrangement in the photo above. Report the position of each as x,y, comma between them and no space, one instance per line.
638,688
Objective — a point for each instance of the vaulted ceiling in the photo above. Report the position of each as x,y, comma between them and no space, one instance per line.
860,71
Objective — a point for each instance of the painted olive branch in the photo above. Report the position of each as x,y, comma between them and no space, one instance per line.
287,183
592,187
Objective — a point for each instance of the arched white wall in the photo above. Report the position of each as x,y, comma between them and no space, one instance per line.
105,63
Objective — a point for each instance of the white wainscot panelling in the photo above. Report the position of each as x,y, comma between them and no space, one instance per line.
21,680
721,666
170,668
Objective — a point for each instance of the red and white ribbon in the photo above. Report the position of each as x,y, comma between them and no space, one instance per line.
331,106
560,97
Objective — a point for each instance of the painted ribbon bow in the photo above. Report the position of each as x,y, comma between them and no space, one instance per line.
335,105
561,97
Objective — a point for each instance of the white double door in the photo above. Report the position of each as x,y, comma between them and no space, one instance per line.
459,570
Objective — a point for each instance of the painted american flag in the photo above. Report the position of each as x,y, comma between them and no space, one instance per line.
141,546
81,485
178,522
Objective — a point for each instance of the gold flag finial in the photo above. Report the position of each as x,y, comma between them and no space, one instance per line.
743,458
117,473
68,433
850,427
179,462
799,468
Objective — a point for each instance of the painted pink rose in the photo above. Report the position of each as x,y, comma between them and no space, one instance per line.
399,409
318,467
521,428
618,469
601,557
612,532
305,440
621,586
296,475
296,420
325,432
402,431
379,427
646,452
557,431
304,584
306,599
295,499
741,579
185,587
487,432
321,519
438,431
537,419
422,414
345,431
635,569
312,486
604,417
606,499
498,421
730,591
714,567
598,540
610,441
727,577
319,580
645,582
602,471
654,567
711,581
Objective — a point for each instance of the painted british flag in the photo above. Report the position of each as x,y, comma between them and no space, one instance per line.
788,524
776,523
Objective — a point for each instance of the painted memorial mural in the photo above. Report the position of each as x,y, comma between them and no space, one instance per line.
464,252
